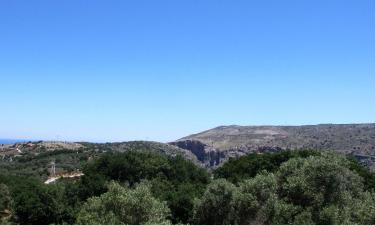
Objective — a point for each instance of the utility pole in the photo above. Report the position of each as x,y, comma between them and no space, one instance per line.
53,168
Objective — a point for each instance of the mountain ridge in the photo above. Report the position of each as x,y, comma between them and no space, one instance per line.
216,145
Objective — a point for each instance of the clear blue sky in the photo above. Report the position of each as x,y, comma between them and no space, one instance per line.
160,70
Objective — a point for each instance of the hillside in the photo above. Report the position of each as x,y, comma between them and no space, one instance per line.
214,146
35,158
140,146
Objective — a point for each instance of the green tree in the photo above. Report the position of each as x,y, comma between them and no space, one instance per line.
367,175
173,179
319,181
325,189
6,204
317,190
216,205
245,167
253,196
5,198
122,205
35,202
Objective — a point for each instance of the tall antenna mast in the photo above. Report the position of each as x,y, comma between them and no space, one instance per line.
53,168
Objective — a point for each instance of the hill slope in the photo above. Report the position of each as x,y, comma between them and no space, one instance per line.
216,145
35,158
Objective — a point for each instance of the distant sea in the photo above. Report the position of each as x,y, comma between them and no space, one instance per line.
12,141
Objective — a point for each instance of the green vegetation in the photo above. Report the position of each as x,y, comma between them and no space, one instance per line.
173,179
35,165
36,203
367,176
236,170
319,190
6,204
5,199
144,187
122,205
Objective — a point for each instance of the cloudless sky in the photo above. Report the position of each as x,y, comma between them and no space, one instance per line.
160,70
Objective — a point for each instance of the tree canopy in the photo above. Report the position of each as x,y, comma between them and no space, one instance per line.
173,179
124,206
317,190
143,187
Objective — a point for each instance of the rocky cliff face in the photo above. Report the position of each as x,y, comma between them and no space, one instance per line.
211,157
196,147
208,156
215,146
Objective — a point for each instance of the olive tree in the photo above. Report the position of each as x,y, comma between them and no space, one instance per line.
124,206
216,206
6,203
317,190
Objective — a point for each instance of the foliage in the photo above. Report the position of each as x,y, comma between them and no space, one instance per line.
216,206
323,186
6,201
124,206
36,165
290,187
6,204
36,203
173,179
367,176
319,190
245,167
254,196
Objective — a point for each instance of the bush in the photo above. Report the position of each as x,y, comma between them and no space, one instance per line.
319,190
122,205
216,206
34,202
6,201
245,167
173,179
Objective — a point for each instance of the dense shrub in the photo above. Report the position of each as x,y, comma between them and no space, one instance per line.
121,206
301,187
367,176
6,201
238,169
36,203
216,206
173,179
317,190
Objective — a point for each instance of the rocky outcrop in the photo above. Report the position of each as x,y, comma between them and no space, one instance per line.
212,158
207,155
196,147
212,147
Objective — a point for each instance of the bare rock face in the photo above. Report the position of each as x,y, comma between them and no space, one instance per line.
215,146
211,157
196,147
205,154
